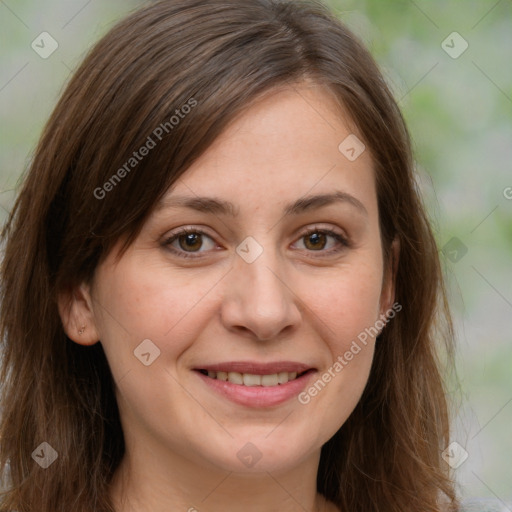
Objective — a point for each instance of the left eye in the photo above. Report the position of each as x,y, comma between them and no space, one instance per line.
318,240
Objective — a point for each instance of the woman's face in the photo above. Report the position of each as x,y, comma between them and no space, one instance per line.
280,270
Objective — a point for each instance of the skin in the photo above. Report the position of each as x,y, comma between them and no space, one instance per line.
297,301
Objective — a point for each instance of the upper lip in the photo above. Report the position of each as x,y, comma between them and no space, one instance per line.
256,368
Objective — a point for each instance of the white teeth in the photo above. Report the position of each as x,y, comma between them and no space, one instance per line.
235,378
249,379
270,380
282,377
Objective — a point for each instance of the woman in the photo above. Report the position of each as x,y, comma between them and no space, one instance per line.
220,288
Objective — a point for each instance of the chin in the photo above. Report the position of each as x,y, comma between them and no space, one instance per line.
256,454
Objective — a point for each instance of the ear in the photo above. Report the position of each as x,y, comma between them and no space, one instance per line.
387,296
77,315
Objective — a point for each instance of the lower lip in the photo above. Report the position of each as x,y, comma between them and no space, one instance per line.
258,396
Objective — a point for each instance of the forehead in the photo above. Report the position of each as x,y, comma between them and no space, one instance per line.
284,146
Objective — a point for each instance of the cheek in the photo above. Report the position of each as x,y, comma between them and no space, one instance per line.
346,305
347,302
139,301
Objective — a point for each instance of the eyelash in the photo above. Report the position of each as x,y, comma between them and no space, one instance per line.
343,242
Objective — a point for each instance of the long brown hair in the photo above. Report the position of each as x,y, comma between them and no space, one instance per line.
216,56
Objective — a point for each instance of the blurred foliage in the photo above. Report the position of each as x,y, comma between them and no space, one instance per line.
459,113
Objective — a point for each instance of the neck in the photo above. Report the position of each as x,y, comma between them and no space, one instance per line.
157,482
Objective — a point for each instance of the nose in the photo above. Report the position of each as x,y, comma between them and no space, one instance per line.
259,300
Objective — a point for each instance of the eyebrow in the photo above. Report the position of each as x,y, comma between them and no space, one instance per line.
220,207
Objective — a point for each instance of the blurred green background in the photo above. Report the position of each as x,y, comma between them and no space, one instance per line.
459,112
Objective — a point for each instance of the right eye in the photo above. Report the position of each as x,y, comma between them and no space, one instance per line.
186,242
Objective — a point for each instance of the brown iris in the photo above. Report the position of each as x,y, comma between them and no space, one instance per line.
316,240
190,241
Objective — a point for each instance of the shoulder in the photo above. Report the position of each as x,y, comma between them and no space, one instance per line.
485,505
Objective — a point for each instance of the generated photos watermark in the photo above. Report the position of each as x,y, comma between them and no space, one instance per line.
151,142
343,360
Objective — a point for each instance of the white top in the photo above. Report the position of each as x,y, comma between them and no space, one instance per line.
486,505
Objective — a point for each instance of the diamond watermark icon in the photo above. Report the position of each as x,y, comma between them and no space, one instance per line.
45,455
147,352
351,147
249,250
44,45
454,455
454,250
454,45
249,455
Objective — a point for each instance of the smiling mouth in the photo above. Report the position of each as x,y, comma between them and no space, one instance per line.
251,380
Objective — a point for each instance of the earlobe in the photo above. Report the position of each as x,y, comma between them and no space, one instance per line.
77,315
390,273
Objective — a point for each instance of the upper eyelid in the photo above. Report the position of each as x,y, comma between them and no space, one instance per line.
299,233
